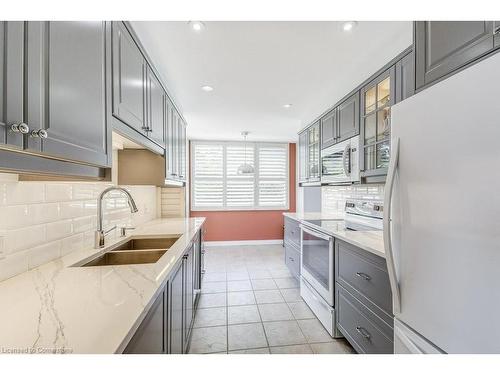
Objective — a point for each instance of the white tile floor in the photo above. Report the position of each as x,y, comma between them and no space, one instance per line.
250,303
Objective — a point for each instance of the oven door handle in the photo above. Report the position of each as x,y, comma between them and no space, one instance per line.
315,233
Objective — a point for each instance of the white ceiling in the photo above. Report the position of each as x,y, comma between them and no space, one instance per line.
256,67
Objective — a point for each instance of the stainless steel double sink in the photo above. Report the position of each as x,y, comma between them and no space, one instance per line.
134,251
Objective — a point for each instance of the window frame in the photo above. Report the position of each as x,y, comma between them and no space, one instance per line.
257,178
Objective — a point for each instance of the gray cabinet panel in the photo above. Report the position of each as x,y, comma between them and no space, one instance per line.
129,69
155,106
442,47
176,311
497,34
182,150
329,129
188,294
11,81
348,118
150,336
363,329
366,274
73,87
303,156
292,231
405,77
292,259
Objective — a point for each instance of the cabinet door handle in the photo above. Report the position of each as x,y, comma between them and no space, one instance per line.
291,259
363,276
363,332
40,133
20,128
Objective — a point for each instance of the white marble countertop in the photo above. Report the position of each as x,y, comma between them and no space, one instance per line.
371,241
61,308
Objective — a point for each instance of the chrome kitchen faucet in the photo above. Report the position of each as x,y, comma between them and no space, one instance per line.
100,234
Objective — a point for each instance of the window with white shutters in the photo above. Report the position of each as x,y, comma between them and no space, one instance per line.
217,185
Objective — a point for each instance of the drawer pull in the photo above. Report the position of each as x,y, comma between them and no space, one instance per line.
293,260
363,332
363,276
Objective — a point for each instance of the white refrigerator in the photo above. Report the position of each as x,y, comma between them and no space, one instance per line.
442,215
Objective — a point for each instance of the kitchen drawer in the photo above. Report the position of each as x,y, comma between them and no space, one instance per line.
366,273
292,258
366,332
292,231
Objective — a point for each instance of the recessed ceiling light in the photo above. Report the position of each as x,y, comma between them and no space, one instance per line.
287,105
207,88
196,25
349,25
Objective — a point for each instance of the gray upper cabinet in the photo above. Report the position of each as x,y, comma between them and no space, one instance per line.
129,70
155,109
54,89
497,34
182,150
442,47
151,334
405,77
313,152
377,97
329,129
66,70
12,83
303,157
176,163
348,118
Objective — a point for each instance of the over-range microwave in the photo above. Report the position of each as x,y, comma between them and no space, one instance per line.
340,162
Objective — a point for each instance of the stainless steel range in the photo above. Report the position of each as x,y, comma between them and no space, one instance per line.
317,285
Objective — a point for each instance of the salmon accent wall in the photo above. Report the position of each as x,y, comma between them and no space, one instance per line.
250,225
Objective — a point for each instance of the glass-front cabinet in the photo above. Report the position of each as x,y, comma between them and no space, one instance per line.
377,98
313,152
309,148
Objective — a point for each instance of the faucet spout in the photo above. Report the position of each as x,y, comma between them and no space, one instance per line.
100,234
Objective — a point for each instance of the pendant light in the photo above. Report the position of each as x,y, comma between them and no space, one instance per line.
245,168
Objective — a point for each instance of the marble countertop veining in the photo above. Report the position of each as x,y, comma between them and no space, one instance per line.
371,241
59,308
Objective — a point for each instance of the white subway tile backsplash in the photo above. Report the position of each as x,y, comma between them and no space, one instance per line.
56,192
42,221
59,229
333,198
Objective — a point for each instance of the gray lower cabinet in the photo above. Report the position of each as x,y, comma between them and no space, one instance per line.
150,337
176,310
348,118
188,294
169,321
363,299
364,330
329,129
292,231
129,81
155,109
292,258
442,47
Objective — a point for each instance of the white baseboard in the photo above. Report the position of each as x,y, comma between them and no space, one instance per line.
243,243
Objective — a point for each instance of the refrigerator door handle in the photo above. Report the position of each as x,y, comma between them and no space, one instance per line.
389,253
